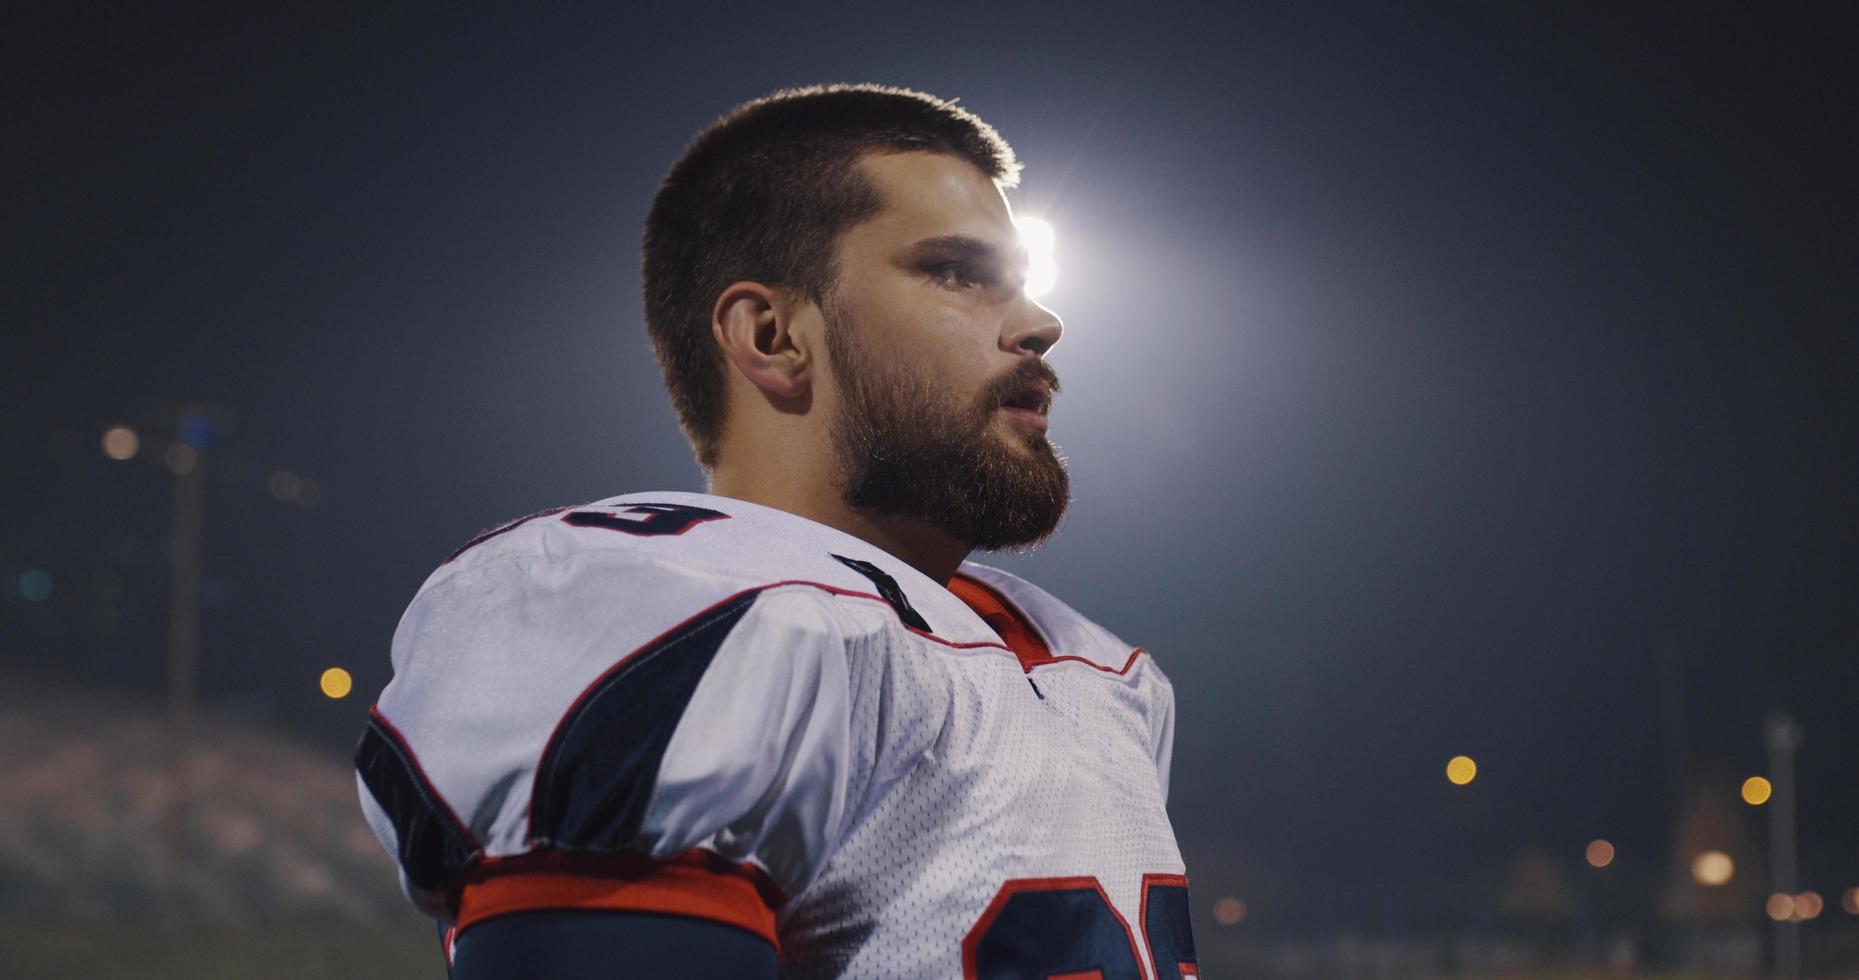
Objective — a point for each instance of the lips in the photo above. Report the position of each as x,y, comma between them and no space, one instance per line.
1034,396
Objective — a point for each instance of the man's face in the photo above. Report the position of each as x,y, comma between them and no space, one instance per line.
935,348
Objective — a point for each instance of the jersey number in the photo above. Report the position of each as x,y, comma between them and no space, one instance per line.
1041,928
653,520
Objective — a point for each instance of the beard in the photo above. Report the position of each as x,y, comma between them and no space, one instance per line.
908,449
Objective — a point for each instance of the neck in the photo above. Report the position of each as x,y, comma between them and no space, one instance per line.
927,549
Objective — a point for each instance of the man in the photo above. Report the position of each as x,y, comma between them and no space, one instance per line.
784,727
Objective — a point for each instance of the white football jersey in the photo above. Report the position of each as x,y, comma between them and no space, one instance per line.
689,704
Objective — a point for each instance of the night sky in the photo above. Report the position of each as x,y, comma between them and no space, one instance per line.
1439,379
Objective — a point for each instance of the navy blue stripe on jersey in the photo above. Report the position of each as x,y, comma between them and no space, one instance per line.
1166,927
597,773
578,945
433,845
1042,927
889,590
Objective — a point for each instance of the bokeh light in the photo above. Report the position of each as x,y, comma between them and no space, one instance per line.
1461,770
181,458
1712,868
284,486
1042,271
35,585
1780,907
1808,905
1756,791
336,683
120,442
1229,911
289,488
1600,853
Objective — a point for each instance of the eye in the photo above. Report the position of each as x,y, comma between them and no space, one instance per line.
957,275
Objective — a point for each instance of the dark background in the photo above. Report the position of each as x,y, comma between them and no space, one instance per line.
1446,378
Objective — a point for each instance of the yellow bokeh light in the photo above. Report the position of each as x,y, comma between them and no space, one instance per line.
120,442
1461,770
1600,853
1042,270
1712,868
336,683
1756,791
1849,900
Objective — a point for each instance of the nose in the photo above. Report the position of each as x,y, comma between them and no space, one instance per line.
1034,330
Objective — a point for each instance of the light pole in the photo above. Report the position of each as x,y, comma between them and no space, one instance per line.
1783,738
186,459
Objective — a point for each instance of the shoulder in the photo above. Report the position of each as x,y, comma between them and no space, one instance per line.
651,560
683,535
663,551
1067,632
601,579
544,675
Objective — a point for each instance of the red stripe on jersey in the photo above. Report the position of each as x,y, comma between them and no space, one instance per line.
1015,628
1003,618
697,884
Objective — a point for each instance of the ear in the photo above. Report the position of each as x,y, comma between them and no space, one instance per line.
752,323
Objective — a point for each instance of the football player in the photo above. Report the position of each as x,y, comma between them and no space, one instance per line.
785,727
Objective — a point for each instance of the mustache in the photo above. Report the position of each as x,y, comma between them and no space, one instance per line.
1008,386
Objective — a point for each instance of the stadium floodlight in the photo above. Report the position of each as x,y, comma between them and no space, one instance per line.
1042,272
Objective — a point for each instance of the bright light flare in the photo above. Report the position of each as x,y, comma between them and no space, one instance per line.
1756,791
1712,868
1042,270
336,683
1461,770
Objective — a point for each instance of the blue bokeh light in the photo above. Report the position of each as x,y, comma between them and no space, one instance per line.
35,584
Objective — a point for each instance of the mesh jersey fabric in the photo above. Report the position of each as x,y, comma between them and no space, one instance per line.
676,680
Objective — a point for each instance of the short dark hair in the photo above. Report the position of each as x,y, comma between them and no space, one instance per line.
762,194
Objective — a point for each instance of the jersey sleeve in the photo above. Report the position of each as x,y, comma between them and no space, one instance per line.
1162,729
586,731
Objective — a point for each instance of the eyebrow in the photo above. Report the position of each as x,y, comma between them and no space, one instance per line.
967,246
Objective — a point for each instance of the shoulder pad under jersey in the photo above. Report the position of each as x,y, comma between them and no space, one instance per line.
645,674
